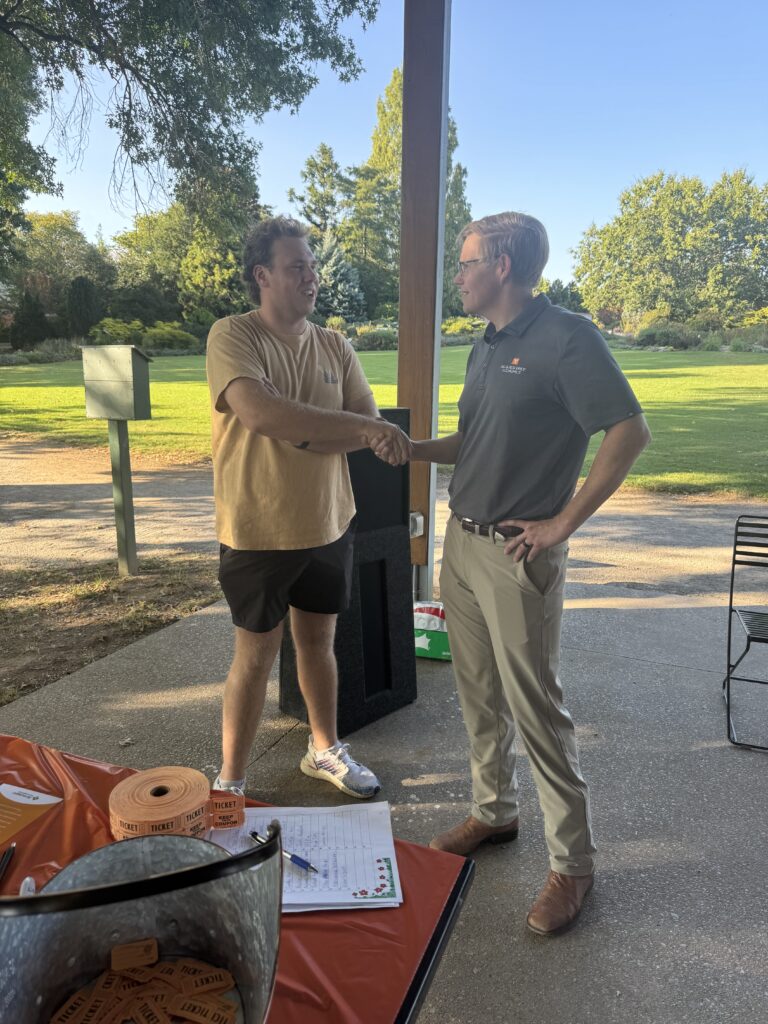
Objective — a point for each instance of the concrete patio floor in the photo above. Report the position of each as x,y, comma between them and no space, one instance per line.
676,930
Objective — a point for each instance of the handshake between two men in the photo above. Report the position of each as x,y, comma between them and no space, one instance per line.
362,426
391,444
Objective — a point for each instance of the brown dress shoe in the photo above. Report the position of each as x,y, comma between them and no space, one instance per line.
559,903
463,839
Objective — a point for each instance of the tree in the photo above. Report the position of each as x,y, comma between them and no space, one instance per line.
24,169
340,293
457,215
179,261
376,186
144,302
369,233
679,249
566,295
29,323
54,251
184,77
325,187
209,280
151,252
84,306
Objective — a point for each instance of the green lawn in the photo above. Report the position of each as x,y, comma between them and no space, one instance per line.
708,412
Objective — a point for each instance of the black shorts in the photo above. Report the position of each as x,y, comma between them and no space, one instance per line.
260,585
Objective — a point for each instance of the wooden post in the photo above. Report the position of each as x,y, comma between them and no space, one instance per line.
425,133
122,493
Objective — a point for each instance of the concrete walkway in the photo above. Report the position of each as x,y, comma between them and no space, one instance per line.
677,928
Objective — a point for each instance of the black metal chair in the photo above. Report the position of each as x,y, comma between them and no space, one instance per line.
750,549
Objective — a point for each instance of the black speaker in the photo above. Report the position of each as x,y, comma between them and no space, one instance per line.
374,636
382,492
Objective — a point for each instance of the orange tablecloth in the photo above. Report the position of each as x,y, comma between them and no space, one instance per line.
335,967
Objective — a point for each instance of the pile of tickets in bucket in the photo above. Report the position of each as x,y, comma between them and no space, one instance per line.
144,990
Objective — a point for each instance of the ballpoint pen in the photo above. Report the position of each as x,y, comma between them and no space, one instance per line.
5,860
292,857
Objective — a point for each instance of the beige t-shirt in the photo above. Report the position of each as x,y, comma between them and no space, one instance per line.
269,494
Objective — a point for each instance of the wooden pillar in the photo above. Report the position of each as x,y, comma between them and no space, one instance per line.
425,133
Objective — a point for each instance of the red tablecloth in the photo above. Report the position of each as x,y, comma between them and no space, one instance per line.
335,967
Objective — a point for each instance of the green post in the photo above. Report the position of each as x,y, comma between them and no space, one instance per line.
122,492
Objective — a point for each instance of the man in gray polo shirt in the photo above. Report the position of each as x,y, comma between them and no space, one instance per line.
539,384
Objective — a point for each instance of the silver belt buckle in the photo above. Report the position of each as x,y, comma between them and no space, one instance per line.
470,523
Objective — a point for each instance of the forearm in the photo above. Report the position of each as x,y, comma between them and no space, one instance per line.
336,447
264,412
616,455
444,449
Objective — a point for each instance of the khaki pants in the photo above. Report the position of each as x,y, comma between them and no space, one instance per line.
503,622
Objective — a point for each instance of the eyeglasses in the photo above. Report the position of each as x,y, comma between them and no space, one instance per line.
463,265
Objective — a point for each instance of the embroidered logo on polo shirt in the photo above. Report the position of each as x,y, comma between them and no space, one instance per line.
329,377
513,366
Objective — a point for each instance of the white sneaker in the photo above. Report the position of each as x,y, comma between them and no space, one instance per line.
336,766
237,790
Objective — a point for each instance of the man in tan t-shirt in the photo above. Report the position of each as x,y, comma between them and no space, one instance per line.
288,400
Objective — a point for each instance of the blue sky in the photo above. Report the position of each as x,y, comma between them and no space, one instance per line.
559,108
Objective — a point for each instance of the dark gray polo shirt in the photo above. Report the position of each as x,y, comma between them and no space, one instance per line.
534,393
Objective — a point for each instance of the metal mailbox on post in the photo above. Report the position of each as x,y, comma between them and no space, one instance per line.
116,381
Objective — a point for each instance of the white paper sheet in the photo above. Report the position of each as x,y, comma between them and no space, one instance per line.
352,848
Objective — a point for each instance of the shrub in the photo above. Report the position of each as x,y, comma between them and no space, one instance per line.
636,322
449,340
462,325
757,334
755,317
199,331
13,359
198,322
706,320
376,339
387,311
711,342
336,323
110,331
62,348
169,336
741,345
38,356
667,333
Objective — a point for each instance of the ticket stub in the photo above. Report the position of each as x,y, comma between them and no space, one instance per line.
68,1013
145,1011
134,954
200,1010
93,1010
168,973
214,981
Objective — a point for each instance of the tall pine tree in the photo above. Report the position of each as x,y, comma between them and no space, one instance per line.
324,188
29,324
340,293
84,306
371,232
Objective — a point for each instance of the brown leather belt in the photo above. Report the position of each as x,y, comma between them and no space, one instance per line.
486,529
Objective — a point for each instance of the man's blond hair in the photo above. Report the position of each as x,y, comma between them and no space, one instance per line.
522,238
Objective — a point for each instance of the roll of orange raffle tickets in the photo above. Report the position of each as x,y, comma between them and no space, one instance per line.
171,801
